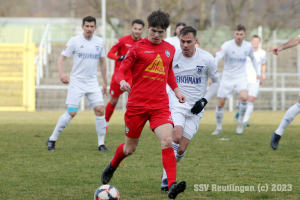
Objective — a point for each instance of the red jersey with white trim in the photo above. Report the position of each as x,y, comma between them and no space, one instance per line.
122,46
151,68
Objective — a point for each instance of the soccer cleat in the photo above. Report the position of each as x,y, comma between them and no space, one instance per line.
275,140
240,128
103,148
164,185
51,145
217,132
176,188
246,124
236,116
107,174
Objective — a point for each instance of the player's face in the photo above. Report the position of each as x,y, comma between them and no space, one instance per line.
89,29
187,44
136,31
156,34
239,36
177,30
255,42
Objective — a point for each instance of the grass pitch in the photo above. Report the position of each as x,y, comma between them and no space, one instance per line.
29,171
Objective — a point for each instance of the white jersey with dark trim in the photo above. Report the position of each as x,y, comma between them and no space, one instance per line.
191,75
174,41
86,54
261,58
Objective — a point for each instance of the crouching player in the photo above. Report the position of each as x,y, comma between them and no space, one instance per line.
192,67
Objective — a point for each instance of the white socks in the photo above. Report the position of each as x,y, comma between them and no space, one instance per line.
219,117
242,110
63,121
100,129
248,111
288,118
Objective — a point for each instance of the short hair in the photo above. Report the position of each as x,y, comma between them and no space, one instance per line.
240,27
89,19
159,18
188,29
179,24
256,36
138,21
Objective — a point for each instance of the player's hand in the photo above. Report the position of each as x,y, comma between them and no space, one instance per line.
104,89
276,50
124,86
121,58
260,80
199,106
64,78
264,77
179,96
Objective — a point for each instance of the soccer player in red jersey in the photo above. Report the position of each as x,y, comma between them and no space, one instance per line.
150,62
121,48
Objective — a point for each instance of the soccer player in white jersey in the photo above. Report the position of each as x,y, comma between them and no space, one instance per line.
234,75
253,84
87,49
192,67
175,39
293,111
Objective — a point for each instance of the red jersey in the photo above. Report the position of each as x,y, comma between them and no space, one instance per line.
122,46
151,68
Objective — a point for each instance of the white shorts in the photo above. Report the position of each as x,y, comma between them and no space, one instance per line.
79,87
228,86
253,89
187,120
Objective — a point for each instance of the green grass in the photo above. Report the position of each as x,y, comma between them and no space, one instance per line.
29,171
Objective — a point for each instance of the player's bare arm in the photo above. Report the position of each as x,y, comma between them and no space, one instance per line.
263,71
291,43
124,86
103,73
180,96
60,63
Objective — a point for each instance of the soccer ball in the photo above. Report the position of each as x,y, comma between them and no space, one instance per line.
107,192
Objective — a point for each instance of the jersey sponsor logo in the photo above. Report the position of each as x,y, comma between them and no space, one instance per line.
188,79
128,45
65,48
88,55
153,78
149,51
156,66
97,48
199,69
167,52
237,59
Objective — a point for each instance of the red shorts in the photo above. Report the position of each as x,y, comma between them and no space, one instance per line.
115,90
136,117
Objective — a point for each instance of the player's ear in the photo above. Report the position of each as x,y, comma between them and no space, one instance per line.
95,27
82,27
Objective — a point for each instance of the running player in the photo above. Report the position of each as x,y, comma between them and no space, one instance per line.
175,39
234,75
192,67
87,49
293,111
253,84
121,47
150,62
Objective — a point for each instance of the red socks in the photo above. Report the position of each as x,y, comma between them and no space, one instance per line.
119,156
109,110
169,163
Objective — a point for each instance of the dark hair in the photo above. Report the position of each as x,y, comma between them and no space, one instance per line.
89,19
188,29
159,18
138,21
179,24
240,27
256,36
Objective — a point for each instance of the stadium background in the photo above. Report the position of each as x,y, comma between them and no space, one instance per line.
34,32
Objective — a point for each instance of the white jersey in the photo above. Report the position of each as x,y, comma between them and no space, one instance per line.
191,75
235,59
174,41
260,57
85,56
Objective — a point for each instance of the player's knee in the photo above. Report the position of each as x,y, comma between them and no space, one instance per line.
167,142
113,101
176,137
99,110
244,98
220,104
72,113
181,150
129,151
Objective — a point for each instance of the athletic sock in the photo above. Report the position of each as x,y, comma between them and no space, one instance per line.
242,110
169,163
288,118
100,129
63,121
118,157
249,111
109,110
219,117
